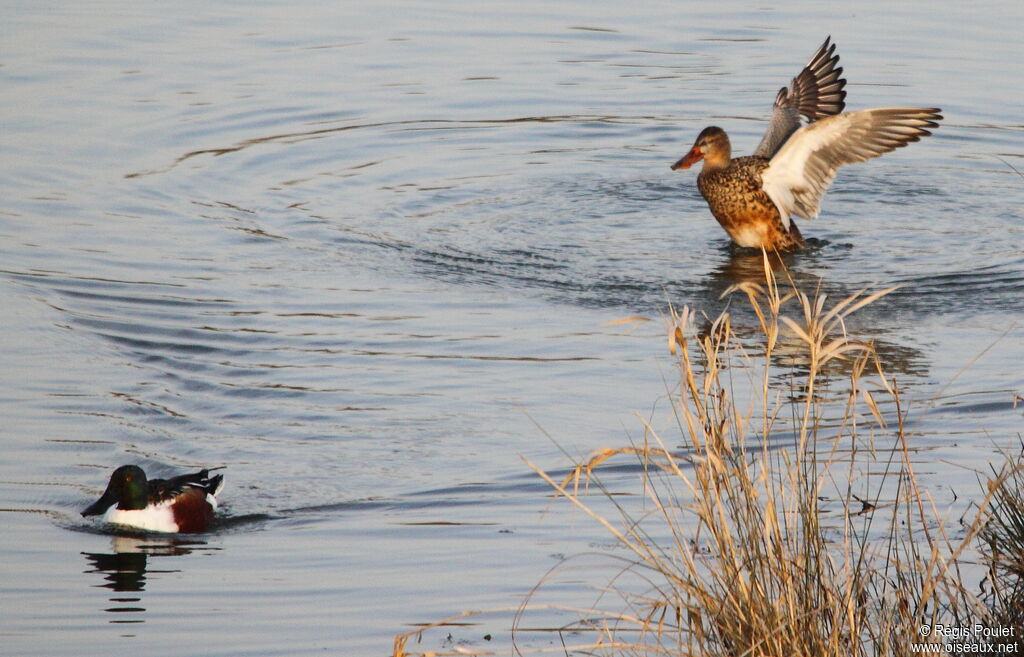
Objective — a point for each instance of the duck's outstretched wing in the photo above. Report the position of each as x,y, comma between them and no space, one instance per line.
800,172
816,93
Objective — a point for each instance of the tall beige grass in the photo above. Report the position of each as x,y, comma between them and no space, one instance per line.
787,518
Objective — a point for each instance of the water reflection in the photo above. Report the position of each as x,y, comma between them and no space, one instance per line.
124,569
743,265
742,273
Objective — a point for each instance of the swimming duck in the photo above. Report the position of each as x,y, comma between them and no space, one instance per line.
755,197
182,504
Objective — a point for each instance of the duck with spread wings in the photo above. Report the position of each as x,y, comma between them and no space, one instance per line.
755,197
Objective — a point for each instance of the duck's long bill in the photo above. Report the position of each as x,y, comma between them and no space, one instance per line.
689,159
101,505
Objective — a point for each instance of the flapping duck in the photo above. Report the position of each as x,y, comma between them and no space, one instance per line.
755,197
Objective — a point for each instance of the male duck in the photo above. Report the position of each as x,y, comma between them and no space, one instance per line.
182,504
754,197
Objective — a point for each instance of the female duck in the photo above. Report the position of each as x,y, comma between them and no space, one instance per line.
754,197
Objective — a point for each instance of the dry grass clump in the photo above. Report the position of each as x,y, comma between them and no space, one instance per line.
789,521
1003,546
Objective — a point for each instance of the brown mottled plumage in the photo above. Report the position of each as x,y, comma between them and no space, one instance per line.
755,197
735,194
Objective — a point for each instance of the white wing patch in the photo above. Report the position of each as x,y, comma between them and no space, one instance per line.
800,172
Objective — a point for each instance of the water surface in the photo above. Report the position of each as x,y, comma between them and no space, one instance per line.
366,257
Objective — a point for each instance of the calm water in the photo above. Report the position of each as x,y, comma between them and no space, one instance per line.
364,257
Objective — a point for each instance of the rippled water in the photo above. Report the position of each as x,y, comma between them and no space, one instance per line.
366,257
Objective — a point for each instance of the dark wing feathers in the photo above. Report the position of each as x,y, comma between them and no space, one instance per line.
165,489
817,92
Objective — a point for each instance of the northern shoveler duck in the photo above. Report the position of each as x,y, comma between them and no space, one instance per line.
181,504
754,197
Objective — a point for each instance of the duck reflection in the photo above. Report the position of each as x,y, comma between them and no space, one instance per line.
802,271
742,265
124,569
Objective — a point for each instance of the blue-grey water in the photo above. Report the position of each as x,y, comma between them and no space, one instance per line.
365,256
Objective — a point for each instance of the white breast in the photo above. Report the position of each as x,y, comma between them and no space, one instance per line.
749,236
157,518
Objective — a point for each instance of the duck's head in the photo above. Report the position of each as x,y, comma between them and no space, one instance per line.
127,489
712,146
